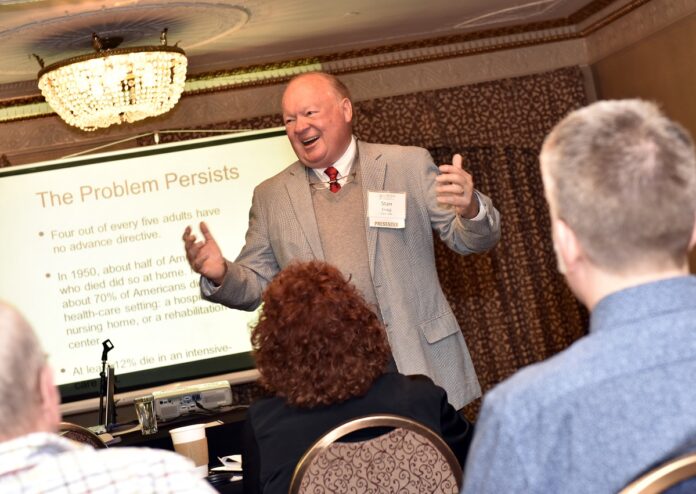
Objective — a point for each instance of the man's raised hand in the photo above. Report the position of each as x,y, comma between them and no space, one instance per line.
455,186
204,256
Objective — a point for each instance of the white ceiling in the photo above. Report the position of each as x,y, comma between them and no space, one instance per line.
227,34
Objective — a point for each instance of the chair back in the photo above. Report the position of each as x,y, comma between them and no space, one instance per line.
664,476
80,434
411,458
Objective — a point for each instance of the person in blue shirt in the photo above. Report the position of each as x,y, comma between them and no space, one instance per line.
620,180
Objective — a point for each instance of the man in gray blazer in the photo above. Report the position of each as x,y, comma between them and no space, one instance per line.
369,209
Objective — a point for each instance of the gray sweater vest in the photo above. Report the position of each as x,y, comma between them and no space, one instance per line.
341,222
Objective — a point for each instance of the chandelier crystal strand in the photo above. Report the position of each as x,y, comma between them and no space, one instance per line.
115,86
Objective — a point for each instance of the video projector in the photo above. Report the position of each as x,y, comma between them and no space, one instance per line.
182,401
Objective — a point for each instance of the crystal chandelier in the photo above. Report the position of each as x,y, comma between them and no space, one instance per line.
114,85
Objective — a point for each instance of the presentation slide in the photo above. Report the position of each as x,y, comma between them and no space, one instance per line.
93,250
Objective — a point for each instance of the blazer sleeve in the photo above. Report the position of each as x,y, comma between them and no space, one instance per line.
453,427
456,430
251,460
254,267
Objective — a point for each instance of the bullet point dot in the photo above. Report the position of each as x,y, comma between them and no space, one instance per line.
48,275
40,234
62,370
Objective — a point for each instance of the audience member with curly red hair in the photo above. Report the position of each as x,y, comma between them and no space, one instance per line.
322,353
310,317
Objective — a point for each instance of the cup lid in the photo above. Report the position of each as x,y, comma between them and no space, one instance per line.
187,428
188,433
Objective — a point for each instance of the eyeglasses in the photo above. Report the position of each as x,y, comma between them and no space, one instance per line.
340,180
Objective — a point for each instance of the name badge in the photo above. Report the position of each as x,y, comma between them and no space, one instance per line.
386,209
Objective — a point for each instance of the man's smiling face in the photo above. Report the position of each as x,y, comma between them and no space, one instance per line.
317,120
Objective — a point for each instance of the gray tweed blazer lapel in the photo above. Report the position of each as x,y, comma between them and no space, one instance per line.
373,169
301,202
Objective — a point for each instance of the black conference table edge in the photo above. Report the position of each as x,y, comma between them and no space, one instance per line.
223,434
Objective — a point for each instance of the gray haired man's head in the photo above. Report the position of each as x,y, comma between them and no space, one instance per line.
622,176
29,399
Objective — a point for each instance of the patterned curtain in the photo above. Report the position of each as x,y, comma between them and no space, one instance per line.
513,306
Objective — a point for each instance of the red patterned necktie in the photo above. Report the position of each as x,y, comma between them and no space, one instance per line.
332,173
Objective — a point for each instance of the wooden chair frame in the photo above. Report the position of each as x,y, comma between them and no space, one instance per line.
67,428
663,477
369,421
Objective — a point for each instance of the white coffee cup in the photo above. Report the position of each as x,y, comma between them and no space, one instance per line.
190,441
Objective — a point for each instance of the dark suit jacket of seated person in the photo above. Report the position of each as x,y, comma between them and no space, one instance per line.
321,351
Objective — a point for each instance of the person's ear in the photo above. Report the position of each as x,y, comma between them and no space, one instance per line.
692,242
347,109
567,245
50,399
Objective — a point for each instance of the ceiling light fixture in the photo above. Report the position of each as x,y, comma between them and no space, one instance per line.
114,85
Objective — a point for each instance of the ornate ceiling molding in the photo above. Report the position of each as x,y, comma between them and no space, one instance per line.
579,26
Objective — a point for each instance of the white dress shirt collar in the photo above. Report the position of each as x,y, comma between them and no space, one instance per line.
342,164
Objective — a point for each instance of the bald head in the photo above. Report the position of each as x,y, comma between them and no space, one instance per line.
334,82
26,405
